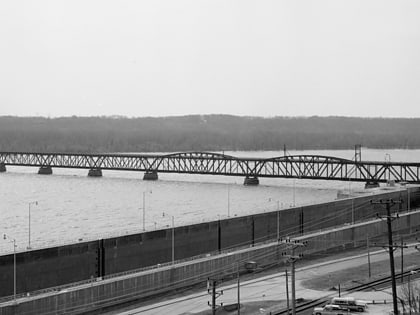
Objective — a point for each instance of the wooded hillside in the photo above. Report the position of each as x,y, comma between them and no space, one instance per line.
203,133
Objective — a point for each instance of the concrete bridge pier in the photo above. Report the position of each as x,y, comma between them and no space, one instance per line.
251,181
45,170
371,184
2,167
150,175
95,172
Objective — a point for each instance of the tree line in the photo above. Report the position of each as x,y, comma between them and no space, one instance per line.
203,133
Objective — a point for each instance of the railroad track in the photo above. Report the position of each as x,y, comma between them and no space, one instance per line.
376,285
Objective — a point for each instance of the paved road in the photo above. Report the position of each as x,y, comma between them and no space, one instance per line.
270,287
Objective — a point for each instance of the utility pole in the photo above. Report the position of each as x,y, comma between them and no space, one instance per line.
239,293
368,255
287,293
292,260
213,298
389,218
211,289
293,244
278,221
402,259
408,199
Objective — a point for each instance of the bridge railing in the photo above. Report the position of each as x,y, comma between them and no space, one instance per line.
299,166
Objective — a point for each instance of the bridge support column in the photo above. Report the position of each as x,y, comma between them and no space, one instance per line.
251,181
45,170
371,184
95,172
150,175
2,167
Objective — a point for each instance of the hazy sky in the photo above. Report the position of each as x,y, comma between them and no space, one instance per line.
176,57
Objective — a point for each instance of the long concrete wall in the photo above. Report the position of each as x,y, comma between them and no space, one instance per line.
56,266
139,285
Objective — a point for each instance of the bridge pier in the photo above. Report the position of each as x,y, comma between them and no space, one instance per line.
95,172
2,167
150,175
371,184
45,170
251,181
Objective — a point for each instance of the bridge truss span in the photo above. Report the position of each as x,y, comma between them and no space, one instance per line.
290,166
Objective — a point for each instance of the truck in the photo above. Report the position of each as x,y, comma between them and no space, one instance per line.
349,303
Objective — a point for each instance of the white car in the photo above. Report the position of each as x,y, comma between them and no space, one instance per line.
329,309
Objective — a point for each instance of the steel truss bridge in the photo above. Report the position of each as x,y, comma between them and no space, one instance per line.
288,166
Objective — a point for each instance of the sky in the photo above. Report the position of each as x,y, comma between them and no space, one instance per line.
267,58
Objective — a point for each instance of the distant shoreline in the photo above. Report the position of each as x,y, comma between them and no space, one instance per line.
215,133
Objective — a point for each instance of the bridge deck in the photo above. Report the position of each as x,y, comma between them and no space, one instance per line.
295,166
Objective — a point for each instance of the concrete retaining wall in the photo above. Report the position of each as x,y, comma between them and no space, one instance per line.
138,285
56,266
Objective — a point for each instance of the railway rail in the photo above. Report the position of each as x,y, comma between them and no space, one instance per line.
375,285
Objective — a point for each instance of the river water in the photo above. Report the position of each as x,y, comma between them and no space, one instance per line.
72,207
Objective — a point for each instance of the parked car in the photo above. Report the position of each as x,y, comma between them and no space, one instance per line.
330,309
349,303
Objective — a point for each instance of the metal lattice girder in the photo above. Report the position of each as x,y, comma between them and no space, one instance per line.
296,166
